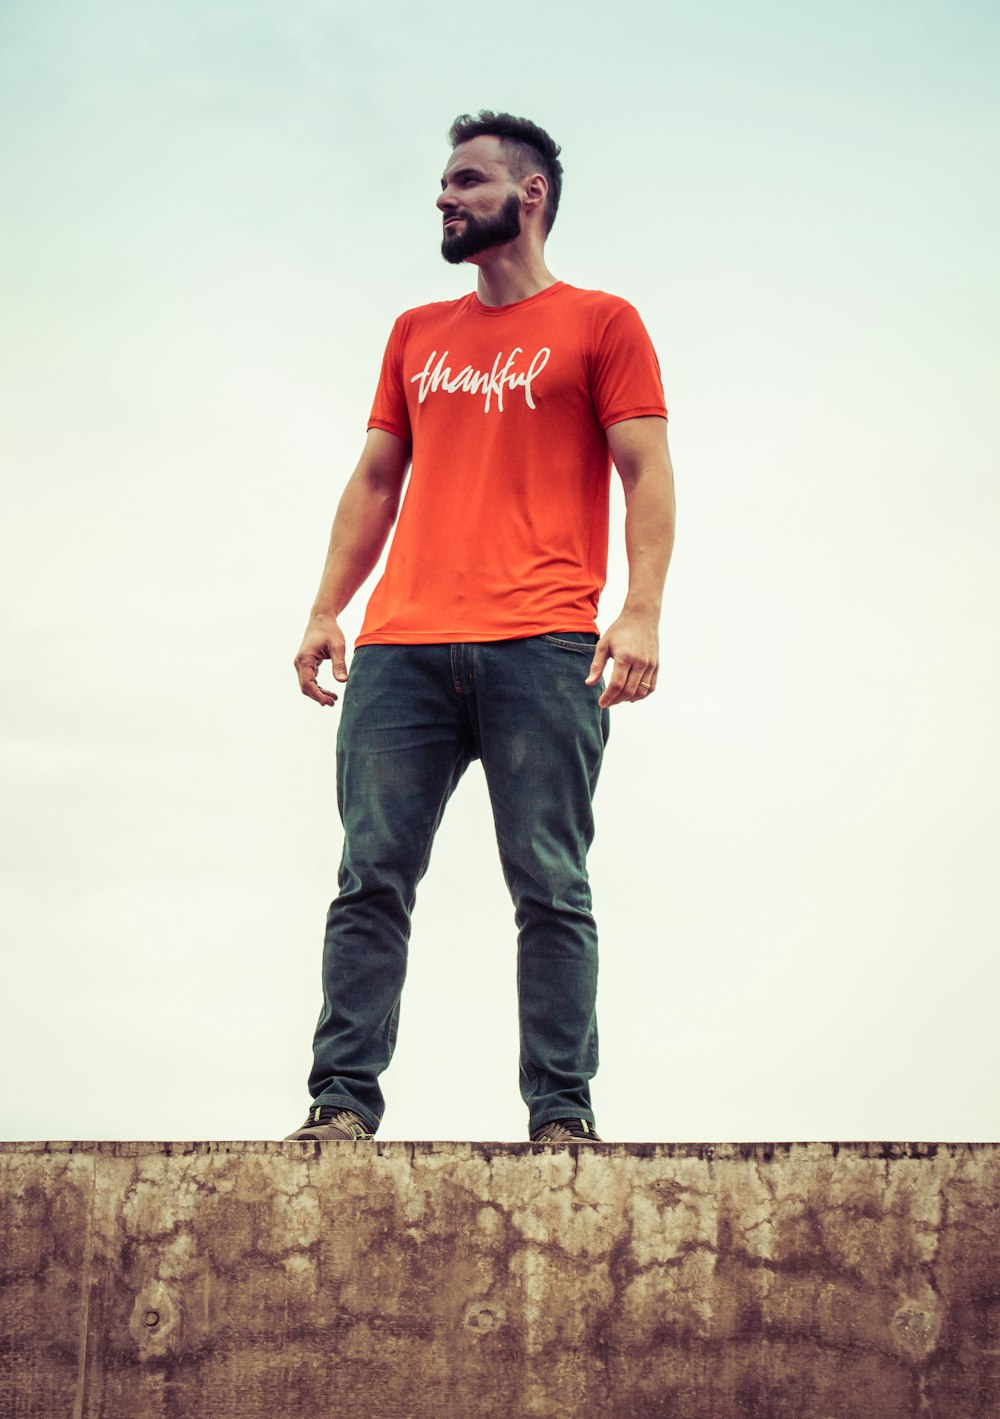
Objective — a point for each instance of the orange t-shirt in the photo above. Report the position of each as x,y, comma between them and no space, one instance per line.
503,531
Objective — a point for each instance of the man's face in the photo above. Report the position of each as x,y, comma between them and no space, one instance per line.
479,203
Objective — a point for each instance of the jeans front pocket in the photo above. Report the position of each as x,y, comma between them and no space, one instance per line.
580,641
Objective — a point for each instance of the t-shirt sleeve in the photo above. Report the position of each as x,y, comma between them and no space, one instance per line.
389,410
626,381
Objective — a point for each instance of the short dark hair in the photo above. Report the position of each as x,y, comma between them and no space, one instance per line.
527,147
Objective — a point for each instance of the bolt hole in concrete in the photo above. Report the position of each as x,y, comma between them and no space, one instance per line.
152,1318
482,1318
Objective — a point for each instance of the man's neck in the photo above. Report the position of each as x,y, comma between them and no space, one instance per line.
512,275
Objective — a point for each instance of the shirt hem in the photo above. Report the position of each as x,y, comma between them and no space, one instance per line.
645,411
457,637
389,428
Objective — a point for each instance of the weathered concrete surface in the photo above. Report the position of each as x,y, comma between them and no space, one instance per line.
295,1281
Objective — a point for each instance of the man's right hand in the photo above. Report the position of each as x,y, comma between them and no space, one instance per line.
323,640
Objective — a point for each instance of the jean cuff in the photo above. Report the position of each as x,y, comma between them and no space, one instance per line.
563,1113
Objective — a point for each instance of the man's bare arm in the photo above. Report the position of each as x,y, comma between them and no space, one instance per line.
640,453
365,515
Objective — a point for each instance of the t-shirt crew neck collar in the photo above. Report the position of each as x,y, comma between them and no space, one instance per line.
478,305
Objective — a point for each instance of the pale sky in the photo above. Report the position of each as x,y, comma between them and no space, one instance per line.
210,216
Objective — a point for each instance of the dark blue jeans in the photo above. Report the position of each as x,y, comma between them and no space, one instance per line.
413,719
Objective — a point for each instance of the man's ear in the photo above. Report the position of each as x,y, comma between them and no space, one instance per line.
536,189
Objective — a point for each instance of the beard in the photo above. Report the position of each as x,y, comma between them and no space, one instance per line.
483,232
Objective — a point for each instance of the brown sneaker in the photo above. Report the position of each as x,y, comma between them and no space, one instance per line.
328,1124
566,1130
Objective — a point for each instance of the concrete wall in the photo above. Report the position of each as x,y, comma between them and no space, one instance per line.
244,1280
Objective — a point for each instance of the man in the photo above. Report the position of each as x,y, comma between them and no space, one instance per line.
507,407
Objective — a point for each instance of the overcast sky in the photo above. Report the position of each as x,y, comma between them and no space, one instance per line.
210,214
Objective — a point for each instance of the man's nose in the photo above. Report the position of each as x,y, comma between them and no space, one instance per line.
446,200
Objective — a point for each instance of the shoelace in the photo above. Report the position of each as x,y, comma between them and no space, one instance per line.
327,1113
555,1130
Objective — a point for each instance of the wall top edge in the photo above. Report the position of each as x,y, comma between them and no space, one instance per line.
756,1151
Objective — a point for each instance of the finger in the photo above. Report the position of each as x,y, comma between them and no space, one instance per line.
315,691
635,683
647,684
598,663
616,685
306,667
321,696
633,689
336,650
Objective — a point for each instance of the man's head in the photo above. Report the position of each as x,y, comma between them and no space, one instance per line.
503,171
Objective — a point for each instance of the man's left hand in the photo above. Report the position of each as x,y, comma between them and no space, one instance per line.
633,643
